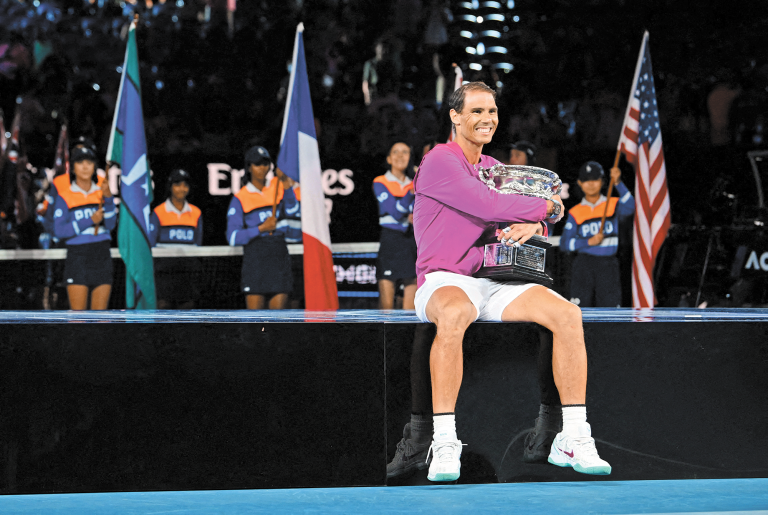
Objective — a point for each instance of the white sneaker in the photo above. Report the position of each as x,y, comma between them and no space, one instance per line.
445,464
578,452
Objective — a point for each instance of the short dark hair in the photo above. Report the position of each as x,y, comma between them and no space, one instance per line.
456,102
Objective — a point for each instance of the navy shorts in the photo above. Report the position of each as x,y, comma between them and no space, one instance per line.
397,255
266,266
89,264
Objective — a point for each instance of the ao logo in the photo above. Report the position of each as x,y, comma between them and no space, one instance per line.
757,264
383,196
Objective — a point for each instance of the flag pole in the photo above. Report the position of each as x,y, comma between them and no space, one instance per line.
277,190
610,190
626,115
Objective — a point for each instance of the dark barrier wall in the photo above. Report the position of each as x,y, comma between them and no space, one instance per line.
178,406
99,407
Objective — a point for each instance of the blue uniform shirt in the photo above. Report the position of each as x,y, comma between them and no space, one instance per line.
169,226
72,211
584,222
250,207
395,199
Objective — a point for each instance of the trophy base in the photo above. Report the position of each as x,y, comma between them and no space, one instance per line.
524,263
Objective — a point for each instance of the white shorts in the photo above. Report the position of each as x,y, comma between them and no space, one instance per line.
489,297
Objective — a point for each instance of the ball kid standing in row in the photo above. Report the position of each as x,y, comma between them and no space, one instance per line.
84,215
177,223
266,274
397,245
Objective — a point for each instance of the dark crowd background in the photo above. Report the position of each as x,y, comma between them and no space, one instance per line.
214,82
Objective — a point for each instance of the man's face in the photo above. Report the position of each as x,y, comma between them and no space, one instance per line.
179,191
478,118
591,187
518,157
259,172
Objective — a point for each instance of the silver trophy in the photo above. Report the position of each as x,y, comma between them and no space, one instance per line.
524,262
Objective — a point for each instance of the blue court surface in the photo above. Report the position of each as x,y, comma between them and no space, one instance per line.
347,316
722,496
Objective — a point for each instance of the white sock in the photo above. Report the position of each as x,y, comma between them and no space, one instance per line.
445,427
574,420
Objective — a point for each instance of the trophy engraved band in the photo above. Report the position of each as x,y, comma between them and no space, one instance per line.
524,262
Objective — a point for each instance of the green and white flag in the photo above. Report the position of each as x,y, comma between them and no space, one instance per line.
128,148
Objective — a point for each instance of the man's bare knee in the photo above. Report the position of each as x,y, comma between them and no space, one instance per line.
455,317
568,318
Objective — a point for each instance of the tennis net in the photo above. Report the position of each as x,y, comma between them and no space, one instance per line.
32,279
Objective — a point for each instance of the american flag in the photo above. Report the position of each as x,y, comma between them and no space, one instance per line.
641,144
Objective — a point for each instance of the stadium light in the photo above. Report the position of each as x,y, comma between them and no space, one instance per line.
468,17
491,34
479,19
480,48
492,5
475,66
510,4
507,67
496,50
515,18
470,50
466,34
466,5
495,17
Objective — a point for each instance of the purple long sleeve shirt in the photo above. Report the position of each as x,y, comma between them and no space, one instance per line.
455,212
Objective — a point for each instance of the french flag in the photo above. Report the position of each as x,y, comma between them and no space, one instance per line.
299,158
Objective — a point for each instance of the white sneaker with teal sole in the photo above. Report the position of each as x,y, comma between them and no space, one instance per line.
578,452
446,464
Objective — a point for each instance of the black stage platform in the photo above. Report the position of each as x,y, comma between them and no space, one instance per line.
119,401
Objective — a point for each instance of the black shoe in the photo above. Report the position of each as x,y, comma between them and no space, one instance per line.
538,442
409,455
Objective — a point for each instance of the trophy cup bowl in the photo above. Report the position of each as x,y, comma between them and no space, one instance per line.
525,262
522,180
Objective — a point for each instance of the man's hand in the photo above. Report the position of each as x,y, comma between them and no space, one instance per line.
616,174
287,181
518,234
98,216
410,218
105,191
269,225
596,240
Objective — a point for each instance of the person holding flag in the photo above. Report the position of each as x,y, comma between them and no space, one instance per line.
84,214
595,277
252,219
